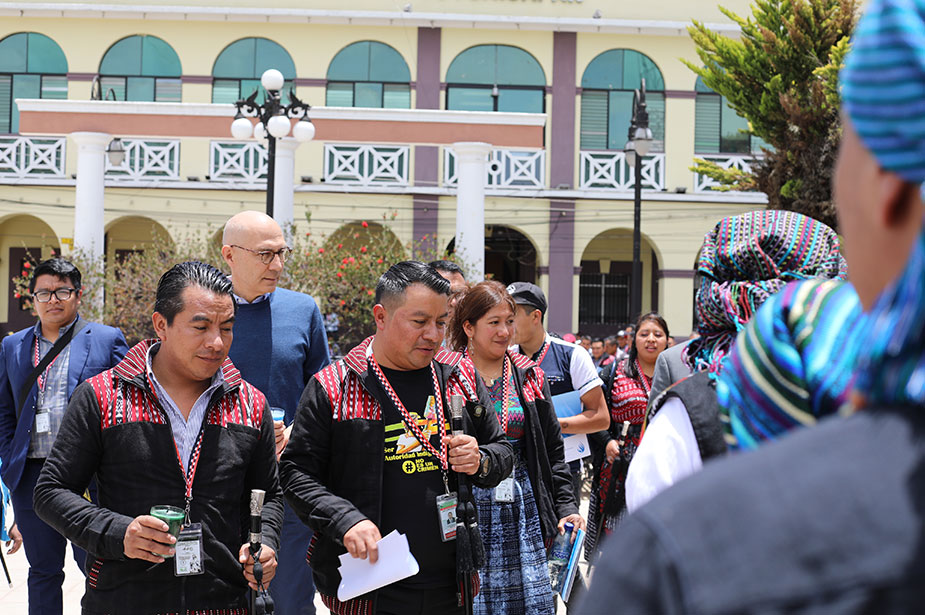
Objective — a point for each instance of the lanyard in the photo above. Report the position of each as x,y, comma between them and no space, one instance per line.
42,379
188,473
505,394
409,420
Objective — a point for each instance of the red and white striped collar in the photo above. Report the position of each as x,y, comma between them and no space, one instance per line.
357,357
133,365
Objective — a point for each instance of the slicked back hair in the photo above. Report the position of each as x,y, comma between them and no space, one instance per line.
394,282
169,301
448,266
58,267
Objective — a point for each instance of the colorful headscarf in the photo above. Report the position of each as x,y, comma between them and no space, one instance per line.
883,92
794,362
747,258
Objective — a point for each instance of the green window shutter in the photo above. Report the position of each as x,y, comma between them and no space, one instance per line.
522,101
655,105
168,90
396,96
339,95
54,86
123,57
116,84
270,54
140,89
469,99
158,59
620,115
13,50
368,95
707,124
236,61
474,65
45,56
226,90
732,139
24,86
593,129
6,103
386,64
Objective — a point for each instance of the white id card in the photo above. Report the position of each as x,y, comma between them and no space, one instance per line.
504,492
42,422
188,558
446,516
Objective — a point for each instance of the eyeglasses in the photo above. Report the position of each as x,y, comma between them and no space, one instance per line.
266,256
62,294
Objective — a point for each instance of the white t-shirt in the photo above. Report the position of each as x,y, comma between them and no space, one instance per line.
667,453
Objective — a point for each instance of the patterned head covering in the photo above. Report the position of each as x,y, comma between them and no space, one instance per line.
883,91
747,258
794,363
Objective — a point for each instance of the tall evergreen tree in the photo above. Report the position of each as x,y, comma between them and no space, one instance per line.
782,76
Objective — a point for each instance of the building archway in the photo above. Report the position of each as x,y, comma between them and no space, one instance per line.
605,279
133,234
23,239
510,256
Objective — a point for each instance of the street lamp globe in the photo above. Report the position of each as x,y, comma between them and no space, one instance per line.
272,79
643,140
241,128
116,152
303,130
260,133
629,150
278,126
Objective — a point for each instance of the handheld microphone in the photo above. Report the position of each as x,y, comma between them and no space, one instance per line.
456,415
256,537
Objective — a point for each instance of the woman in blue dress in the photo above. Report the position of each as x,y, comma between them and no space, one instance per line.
526,511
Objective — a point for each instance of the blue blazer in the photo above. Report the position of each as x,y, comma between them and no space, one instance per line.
94,349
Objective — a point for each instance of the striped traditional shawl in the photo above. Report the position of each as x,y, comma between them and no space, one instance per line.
794,362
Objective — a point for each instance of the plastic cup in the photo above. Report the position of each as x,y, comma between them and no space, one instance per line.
278,414
172,516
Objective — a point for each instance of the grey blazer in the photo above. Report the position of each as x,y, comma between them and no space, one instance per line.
669,368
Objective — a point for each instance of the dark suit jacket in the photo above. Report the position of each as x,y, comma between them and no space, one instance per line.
94,349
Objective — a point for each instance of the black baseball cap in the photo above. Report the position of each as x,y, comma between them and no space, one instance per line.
525,293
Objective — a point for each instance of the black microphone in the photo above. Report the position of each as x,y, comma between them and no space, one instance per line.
457,427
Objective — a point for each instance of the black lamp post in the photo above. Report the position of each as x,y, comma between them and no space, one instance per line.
273,122
637,146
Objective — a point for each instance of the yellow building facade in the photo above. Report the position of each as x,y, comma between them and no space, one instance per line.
560,215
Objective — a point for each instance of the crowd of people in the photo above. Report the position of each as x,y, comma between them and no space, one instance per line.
228,465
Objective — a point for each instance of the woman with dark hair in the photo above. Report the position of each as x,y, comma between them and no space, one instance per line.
534,503
628,396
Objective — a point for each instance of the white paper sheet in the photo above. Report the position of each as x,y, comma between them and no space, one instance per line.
395,563
576,446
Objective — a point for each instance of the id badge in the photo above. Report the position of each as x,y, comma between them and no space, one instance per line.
188,558
446,516
504,492
42,422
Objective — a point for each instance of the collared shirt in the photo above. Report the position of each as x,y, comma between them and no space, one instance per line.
185,431
242,301
51,401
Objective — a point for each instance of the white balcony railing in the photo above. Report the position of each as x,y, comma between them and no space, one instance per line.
366,165
147,160
237,161
506,168
743,162
32,157
608,170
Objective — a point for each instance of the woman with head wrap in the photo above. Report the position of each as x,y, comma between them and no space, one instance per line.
827,519
745,259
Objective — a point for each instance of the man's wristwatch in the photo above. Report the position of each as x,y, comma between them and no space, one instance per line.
484,464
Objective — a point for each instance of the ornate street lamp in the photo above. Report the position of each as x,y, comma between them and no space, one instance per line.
273,122
637,147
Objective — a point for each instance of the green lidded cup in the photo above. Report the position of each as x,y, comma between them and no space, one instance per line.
172,516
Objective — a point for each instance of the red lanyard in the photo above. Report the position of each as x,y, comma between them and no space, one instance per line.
35,361
409,420
506,394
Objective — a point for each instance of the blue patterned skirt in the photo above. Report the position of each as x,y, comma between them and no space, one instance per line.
515,580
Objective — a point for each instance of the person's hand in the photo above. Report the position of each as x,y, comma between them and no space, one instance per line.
146,537
282,437
267,557
463,453
612,451
361,539
15,539
577,520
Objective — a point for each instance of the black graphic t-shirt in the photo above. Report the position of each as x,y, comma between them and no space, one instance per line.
412,479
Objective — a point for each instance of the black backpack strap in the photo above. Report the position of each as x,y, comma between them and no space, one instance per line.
62,341
698,393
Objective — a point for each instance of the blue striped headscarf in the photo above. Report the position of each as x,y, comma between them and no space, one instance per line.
883,92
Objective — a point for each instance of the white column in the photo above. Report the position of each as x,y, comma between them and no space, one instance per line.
284,183
88,200
471,173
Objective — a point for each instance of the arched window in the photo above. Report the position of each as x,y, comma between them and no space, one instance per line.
237,70
31,66
496,78
143,68
607,99
718,129
369,74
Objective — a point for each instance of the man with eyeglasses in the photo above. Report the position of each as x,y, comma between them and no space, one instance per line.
279,344
32,404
